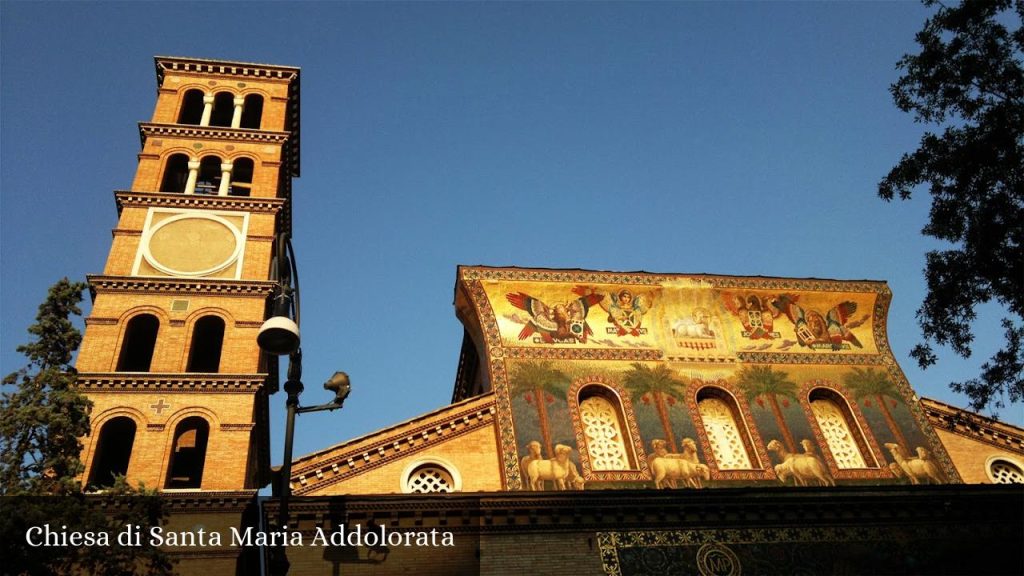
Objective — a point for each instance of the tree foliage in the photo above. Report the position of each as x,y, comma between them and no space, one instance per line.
968,81
41,422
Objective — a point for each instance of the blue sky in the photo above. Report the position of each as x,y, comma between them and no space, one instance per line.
727,138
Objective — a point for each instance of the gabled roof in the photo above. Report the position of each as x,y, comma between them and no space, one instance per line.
973,425
359,455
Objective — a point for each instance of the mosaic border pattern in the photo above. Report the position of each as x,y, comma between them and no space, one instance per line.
609,543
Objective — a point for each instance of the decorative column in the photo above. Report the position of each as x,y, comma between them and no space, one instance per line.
207,109
225,177
193,173
236,120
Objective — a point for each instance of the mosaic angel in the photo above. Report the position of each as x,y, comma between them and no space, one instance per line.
560,322
625,308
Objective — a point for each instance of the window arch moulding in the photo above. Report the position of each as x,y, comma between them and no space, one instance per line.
112,451
613,392
757,453
874,458
430,474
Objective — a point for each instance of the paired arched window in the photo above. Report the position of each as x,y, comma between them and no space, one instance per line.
113,452
191,108
726,431
188,454
207,342
608,444
241,177
175,174
138,344
223,109
252,111
208,176
210,173
843,436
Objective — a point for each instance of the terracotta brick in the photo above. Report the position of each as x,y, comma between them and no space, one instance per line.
237,417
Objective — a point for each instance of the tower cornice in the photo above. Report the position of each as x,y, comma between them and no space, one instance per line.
149,382
168,285
149,129
223,68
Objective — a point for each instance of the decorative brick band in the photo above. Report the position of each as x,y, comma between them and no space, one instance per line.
218,383
191,132
248,324
100,321
142,199
178,285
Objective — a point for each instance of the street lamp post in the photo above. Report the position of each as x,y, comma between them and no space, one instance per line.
279,335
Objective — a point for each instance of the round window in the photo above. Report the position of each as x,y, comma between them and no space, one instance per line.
1005,472
430,478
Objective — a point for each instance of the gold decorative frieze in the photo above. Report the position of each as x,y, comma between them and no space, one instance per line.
666,335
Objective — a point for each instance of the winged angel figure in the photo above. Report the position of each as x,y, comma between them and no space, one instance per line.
812,328
566,321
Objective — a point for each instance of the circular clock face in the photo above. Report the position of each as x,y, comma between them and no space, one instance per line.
193,245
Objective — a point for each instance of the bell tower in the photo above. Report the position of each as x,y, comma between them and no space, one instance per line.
169,356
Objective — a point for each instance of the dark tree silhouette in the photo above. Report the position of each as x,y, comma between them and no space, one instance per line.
41,422
968,82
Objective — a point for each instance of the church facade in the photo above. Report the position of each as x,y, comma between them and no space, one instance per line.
600,423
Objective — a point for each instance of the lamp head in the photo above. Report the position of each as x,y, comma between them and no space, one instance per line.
279,335
340,385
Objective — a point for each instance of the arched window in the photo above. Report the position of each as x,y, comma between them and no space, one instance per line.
188,454
607,442
207,341
430,478
113,452
138,344
209,175
840,430
191,108
241,177
252,111
175,174
431,474
726,431
223,109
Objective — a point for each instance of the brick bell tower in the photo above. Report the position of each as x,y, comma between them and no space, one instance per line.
169,356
